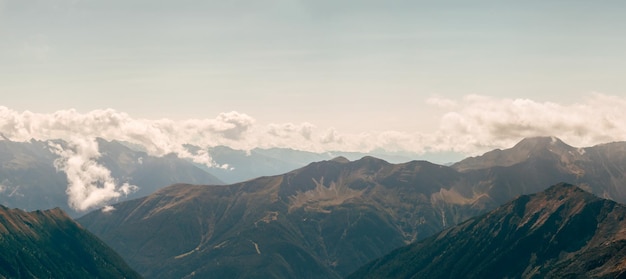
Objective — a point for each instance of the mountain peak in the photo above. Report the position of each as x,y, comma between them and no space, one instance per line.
527,148
538,143
372,160
340,159
563,188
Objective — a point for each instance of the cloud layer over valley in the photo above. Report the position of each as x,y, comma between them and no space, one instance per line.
469,125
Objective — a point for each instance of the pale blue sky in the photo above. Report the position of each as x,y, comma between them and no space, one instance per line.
352,65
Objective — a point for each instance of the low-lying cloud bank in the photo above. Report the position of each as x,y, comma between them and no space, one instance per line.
480,123
469,125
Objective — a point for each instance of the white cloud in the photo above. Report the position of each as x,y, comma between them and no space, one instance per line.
90,184
469,125
107,208
482,122
159,137
331,137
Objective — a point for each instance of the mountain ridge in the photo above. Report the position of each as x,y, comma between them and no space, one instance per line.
49,244
321,210
563,231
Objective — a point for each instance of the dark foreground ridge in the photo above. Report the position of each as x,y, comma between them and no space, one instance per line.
48,244
562,232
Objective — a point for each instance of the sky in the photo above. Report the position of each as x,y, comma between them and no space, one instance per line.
424,77
338,67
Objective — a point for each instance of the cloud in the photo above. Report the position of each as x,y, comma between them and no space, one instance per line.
469,125
481,122
107,208
302,131
90,184
159,137
332,136
232,125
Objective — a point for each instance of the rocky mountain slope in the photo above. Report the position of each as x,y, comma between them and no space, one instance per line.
328,218
599,169
320,221
48,244
563,232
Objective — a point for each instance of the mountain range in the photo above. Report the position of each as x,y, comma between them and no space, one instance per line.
328,218
323,220
562,232
320,221
29,180
49,244
244,165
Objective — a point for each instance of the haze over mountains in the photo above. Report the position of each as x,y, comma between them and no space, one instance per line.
328,218
30,178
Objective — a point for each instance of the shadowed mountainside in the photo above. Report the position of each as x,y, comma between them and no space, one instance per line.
327,219
563,232
599,169
48,244
320,221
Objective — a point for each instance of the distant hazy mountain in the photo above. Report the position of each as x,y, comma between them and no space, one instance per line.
48,244
29,180
243,165
563,232
328,218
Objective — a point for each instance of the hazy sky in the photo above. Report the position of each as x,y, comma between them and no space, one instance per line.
352,67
